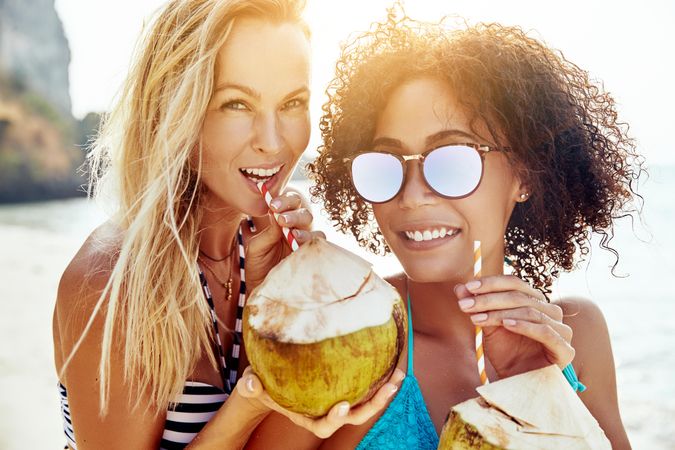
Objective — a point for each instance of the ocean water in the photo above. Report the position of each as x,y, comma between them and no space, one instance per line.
38,240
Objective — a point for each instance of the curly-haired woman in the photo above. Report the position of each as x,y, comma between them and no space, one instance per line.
479,134
147,325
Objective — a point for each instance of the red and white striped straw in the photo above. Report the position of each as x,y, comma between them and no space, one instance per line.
287,233
480,354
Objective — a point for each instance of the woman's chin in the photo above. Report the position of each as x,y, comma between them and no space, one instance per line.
426,274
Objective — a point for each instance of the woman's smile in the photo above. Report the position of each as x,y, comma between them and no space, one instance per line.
427,236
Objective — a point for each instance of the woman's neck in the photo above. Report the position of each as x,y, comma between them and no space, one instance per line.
435,305
218,227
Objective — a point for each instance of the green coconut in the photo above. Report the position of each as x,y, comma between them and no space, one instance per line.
533,410
323,328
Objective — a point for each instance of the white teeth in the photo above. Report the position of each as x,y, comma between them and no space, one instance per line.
262,172
430,234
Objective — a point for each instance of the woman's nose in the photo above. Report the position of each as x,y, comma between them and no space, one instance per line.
415,192
268,138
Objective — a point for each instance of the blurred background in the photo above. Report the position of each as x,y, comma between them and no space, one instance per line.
62,62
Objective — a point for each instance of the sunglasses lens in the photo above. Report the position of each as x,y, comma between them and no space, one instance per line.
453,171
377,176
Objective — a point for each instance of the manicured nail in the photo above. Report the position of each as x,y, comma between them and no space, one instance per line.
275,204
399,374
509,322
299,234
392,390
343,410
249,384
479,317
471,285
466,303
288,219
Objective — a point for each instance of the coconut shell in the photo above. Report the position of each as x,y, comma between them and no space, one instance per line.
323,328
319,272
311,378
533,410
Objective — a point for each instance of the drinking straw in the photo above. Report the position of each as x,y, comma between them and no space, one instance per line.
287,233
480,355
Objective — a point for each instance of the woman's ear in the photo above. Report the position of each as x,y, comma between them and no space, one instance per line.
522,194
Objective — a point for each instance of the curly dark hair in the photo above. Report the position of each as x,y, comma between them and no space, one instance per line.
559,130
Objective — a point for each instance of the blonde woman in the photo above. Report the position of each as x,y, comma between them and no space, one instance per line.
147,321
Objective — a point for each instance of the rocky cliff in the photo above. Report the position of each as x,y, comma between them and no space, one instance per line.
40,141
34,50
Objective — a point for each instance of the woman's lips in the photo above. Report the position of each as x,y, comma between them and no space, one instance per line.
253,180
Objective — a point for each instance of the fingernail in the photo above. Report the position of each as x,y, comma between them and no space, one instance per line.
275,204
393,390
400,374
479,317
466,303
343,410
249,384
471,285
299,234
509,322
288,219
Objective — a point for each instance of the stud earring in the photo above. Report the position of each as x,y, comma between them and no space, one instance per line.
524,195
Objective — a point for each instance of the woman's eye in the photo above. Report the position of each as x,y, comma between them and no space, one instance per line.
295,103
234,105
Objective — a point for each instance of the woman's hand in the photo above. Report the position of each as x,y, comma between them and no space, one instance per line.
521,330
250,387
269,246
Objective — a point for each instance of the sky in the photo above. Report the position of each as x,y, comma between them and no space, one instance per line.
628,46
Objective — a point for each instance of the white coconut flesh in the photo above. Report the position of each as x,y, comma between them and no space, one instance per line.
319,292
534,410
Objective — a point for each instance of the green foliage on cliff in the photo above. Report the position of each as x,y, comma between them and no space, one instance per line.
41,149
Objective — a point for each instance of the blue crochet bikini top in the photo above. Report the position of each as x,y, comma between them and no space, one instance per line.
406,423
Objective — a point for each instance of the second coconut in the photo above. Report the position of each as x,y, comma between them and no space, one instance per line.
323,328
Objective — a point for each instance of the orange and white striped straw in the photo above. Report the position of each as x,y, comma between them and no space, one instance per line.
287,233
480,354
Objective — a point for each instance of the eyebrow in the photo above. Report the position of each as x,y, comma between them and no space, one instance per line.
430,140
245,89
255,94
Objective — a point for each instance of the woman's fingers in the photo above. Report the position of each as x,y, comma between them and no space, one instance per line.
526,314
559,350
501,283
250,387
287,201
340,414
303,236
300,218
364,412
293,210
508,300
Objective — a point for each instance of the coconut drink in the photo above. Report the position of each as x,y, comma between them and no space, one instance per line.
533,410
323,328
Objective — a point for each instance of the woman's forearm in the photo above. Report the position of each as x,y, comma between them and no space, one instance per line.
231,427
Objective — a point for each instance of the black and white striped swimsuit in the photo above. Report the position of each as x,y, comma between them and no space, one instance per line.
199,401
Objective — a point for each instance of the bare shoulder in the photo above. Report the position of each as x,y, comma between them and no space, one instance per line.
93,262
79,325
591,336
81,285
582,314
594,365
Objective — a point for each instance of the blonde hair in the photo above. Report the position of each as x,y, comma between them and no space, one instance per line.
143,156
